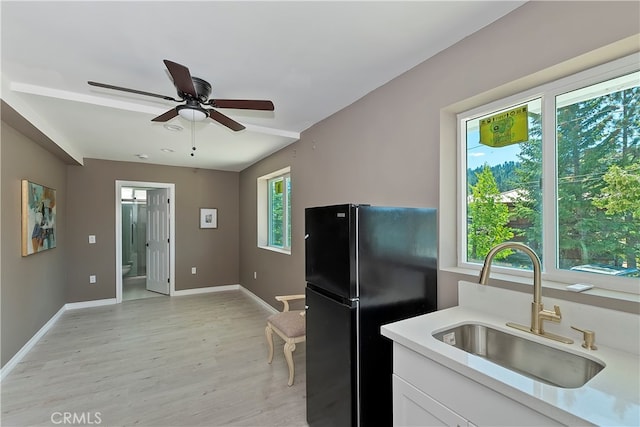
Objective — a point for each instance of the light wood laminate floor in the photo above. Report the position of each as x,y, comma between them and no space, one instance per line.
198,360
136,288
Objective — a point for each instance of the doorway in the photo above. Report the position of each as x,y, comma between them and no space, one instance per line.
133,261
134,244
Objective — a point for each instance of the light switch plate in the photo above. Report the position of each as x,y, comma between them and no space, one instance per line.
193,270
92,278
92,238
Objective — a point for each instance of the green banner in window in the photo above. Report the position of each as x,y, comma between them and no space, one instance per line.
278,186
506,128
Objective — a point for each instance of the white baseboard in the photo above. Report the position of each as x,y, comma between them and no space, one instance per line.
89,304
258,299
206,290
29,345
226,288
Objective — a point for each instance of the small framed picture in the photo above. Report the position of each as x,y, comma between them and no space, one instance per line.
208,218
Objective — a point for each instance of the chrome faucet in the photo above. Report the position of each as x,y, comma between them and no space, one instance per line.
538,313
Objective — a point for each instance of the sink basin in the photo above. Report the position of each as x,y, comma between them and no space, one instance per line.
532,359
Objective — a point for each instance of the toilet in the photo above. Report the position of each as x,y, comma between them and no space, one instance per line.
126,268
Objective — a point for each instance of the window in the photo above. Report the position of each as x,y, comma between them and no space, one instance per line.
134,195
504,183
274,211
557,168
280,212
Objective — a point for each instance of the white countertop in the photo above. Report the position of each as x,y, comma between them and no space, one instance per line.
611,398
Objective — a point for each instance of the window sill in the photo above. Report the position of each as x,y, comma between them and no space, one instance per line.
278,250
614,300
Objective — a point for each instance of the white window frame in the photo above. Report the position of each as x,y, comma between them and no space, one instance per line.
548,93
264,209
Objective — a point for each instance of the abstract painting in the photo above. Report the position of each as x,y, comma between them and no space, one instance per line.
38,218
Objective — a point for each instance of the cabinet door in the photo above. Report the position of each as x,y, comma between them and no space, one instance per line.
411,407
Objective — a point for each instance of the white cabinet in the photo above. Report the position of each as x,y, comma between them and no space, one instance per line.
411,407
426,393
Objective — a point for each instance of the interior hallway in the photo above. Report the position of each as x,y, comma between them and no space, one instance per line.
179,361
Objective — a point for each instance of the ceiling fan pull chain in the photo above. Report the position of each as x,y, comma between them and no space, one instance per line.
193,138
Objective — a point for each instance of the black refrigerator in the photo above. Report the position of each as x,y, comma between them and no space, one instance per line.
365,266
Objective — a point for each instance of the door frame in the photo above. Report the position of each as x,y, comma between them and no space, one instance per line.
172,229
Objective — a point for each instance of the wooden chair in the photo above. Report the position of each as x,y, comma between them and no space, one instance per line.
290,326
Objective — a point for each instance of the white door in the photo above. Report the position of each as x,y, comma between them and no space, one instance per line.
158,240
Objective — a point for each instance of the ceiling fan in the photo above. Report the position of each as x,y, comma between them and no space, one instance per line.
194,92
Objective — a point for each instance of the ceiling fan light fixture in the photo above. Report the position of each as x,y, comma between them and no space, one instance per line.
192,113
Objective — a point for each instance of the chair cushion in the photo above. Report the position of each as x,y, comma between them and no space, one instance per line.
290,323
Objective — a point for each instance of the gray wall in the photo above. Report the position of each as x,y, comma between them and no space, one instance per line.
385,148
32,288
91,210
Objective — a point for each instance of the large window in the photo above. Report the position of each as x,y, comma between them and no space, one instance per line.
558,168
274,211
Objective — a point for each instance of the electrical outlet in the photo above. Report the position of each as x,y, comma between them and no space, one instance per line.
193,270
92,239
92,278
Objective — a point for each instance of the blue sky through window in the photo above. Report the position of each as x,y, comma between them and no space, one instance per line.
479,154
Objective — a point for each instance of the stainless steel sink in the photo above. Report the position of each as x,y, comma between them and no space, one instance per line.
532,359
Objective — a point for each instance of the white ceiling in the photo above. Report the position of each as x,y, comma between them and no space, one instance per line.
310,58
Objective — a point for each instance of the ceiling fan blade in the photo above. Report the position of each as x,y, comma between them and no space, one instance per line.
225,120
181,78
139,92
242,104
165,117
